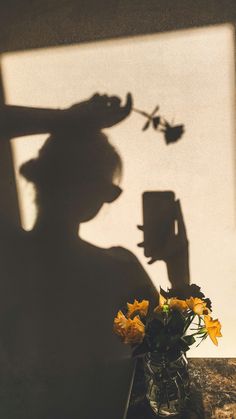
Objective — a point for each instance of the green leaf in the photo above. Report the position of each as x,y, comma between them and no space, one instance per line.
183,345
190,340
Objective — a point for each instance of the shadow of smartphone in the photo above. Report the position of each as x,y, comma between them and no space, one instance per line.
159,216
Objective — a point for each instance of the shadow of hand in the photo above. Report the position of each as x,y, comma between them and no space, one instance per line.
100,111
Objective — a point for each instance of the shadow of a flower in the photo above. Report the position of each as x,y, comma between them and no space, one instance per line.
172,133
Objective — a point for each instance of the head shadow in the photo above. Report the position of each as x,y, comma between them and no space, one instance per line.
74,175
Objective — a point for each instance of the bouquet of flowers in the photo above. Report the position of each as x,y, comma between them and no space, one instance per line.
180,319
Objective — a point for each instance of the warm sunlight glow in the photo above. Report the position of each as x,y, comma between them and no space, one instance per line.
190,74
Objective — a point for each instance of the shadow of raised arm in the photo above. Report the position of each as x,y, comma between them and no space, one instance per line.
100,111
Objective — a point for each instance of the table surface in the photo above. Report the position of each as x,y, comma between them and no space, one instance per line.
213,391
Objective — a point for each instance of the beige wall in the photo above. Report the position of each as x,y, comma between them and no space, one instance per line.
190,74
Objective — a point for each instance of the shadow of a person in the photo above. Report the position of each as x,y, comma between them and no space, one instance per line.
59,294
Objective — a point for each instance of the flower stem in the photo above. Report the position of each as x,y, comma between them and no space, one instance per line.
203,338
189,321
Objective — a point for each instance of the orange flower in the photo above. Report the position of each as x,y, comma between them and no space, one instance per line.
135,331
213,328
119,325
197,306
166,304
141,307
178,304
130,330
163,305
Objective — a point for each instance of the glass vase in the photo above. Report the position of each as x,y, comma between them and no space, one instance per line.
167,383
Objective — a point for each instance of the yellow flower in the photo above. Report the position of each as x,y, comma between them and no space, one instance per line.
197,306
213,328
119,325
178,304
130,330
165,304
141,307
135,331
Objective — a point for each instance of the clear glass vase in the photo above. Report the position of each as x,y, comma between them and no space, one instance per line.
167,383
